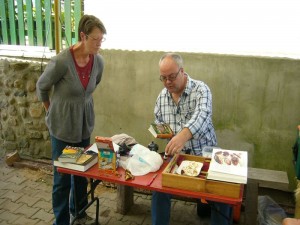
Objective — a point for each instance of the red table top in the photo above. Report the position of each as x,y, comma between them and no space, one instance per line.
144,182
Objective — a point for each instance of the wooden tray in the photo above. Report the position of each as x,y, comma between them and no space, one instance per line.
199,183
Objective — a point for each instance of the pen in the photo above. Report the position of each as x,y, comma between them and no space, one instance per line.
152,179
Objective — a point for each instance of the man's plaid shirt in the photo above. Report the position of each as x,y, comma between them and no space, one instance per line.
194,111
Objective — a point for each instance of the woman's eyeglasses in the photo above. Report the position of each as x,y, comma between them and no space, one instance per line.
96,39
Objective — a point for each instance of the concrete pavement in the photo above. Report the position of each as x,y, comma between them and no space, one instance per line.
25,198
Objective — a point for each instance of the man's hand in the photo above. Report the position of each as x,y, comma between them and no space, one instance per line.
177,143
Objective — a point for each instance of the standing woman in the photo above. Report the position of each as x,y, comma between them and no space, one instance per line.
72,76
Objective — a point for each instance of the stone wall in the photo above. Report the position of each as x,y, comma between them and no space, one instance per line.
22,116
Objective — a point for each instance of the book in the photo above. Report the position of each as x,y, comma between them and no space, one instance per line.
70,154
161,130
86,161
104,142
228,166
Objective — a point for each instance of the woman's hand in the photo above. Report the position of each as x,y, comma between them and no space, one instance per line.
46,105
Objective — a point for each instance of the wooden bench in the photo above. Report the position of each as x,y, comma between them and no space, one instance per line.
273,179
261,178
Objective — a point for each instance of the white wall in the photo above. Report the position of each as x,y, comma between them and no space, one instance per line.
251,27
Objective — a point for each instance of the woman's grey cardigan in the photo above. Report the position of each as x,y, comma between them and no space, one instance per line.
70,117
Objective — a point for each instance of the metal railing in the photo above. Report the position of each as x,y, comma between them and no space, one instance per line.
50,23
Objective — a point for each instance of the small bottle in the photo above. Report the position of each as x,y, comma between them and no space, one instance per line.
166,156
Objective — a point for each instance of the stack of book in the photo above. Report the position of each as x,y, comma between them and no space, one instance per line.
228,166
70,154
75,158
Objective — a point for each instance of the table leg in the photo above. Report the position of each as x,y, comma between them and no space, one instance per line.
221,213
237,212
93,185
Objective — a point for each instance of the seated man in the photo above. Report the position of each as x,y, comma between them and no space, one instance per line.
186,105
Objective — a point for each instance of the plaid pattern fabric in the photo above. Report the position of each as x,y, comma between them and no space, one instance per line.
194,111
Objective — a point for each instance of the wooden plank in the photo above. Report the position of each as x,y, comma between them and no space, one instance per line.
12,22
78,11
269,178
30,28
21,25
68,23
49,40
4,30
57,13
39,23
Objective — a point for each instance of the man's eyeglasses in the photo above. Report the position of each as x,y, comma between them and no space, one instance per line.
171,77
96,39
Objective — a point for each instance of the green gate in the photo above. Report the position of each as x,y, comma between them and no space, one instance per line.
50,23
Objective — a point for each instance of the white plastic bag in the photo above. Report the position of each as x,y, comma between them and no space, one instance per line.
142,161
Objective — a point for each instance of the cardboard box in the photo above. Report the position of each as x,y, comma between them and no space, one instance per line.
106,153
169,179
107,159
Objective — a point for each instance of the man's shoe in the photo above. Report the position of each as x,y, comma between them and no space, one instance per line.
86,220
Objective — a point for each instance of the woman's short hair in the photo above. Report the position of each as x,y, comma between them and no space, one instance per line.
87,23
